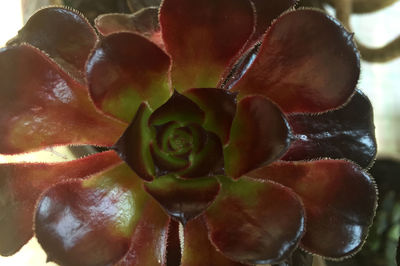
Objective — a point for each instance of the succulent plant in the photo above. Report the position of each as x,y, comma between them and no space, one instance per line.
233,118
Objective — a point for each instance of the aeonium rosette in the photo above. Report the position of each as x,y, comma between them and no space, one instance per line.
215,115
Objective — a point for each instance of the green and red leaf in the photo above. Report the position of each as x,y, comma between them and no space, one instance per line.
69,47
255,222
203,37
124,70
134,145
149,239
136,5
259,135
92,221
291,66
21,185
340,201
43,106
183,199
345,133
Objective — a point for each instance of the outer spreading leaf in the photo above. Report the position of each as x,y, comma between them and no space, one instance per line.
20,187
345,133
301,58
145,22
219,106
91,222
183,199
149,240
43,106
339,198
124,70
63,34
255,222
259,135
203,37
197,248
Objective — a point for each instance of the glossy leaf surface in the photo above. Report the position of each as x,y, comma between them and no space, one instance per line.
149,239
144,21
203,37
339,198
43,106
255,222
345,133
291,66
197,248
219,107
90,222
259,135
183,199
21,185
69,47
124,70
133,146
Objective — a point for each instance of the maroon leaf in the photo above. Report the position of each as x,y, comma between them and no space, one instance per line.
43,106
133,146
203,37
90,222
22,183
219,107
145,22
340,201
197,248
255,222
149,240
63,34
125,70
294,54
345,133
259,135
183,199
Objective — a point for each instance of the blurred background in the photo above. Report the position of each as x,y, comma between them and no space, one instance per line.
379,80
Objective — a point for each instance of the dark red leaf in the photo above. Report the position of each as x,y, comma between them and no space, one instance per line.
345,133
174,244
149,240
43,106
340,201
125,70
259,135
183,199
255,222
21,185
63,34
91,222
197,248
299,62
134,145
203,37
